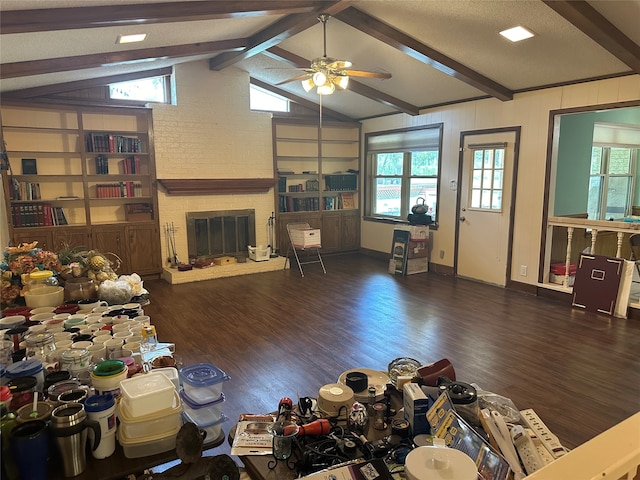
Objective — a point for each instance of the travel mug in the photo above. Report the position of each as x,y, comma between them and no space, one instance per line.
30,448
102,409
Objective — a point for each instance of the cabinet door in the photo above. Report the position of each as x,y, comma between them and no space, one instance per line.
42,236
144,249
71,238
112,240
350,230
330,232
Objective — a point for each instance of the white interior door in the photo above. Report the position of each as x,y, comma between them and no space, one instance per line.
484,217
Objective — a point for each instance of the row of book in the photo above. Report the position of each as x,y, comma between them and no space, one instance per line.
127,165
26,191
119,190
291,204
37,215
342,201
341,182
108,142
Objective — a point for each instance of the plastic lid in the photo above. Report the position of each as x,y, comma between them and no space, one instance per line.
40,274
194,404
187,418
108,368
22,384
202,375
98,403
25,368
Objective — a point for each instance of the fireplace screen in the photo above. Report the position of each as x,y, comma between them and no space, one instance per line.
217,233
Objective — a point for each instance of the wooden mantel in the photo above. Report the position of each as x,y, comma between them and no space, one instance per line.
216,186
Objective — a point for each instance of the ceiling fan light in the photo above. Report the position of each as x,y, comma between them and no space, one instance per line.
307,84
319,78
326,89
342,81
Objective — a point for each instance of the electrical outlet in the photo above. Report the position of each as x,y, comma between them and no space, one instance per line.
523,270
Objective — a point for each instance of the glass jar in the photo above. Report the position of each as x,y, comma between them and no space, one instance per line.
80,288
42,278
77,361
40,345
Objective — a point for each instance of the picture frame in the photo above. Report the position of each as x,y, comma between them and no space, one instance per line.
29,166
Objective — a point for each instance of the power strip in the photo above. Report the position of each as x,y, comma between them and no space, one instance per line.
542,451
549,440
527,451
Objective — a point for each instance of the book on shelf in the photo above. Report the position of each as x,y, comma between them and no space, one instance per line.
130,165
32,215
25,191
29,166
348,200
111,143
341,181
102,165
126,189
59,217
282,184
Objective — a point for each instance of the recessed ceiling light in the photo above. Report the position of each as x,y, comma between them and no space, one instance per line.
138,37
516,34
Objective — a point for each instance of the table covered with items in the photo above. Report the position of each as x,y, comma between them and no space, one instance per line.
97,395
412,421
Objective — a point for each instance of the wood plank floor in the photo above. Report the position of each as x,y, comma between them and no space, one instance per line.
277,334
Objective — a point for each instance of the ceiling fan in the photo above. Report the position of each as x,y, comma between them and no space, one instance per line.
326,73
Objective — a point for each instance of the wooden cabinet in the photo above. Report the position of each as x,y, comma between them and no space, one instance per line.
318,172
83,176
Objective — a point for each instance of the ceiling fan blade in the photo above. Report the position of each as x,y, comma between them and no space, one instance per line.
362,73
299,77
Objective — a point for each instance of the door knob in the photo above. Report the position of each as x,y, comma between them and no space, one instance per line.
462,219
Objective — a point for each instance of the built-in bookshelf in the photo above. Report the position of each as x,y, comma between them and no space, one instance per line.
318,174
76,168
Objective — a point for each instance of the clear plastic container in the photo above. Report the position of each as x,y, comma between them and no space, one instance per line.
41,278
158,423
202,382
147,445
213,429
202,413
147,394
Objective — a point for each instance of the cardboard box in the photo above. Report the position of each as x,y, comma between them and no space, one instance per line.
224,260
306,237
416,232
416,404
418,249
417,265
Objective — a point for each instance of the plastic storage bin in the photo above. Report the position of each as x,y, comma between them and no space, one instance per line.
213,429
147,394
147,445
202,382
158,423
202,413
172,374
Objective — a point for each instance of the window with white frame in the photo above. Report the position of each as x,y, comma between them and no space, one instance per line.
487,178
403,169
261,99
152,89
611,182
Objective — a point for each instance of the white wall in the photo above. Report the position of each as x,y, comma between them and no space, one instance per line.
531,112
211,133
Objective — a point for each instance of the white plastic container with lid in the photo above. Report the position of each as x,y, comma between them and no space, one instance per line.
158,423
202,382
202,413
148,445
41,278
27,368
213,428
147,394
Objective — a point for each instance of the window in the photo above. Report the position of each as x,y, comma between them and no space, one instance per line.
261,99
403,168
611,182
152,89
487,179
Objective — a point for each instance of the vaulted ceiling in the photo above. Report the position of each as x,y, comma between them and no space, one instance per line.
438,52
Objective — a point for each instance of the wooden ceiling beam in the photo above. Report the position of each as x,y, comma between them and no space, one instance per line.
355,86
419,51
48,19
590,22
64,64
300,100
275,33
58,88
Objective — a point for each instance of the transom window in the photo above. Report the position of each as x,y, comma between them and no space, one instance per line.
261,99
152,89
487,179
403,168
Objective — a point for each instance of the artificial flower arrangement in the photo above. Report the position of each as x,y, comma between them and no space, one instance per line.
18,263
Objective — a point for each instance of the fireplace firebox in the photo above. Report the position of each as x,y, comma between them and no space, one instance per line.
218,233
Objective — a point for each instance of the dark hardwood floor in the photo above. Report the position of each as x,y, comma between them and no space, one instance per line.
277,334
